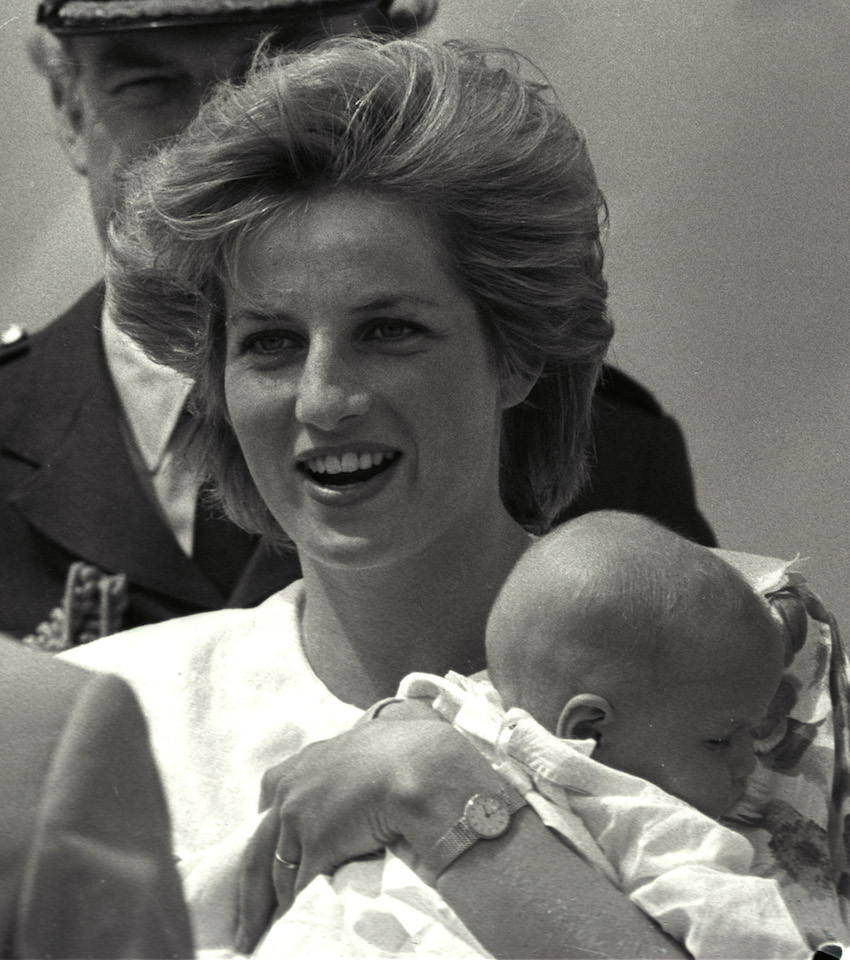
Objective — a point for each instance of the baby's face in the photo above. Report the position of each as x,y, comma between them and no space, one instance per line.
695,739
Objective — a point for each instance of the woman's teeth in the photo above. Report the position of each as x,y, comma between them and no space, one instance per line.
350,463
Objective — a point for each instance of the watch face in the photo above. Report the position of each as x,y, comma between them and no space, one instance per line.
487,816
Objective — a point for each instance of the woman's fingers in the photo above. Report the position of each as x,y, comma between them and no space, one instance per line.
285,871
257,895
270,783
333,802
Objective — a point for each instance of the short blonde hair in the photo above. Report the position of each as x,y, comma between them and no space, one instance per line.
452,128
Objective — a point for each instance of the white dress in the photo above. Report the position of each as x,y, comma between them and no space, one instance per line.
227,695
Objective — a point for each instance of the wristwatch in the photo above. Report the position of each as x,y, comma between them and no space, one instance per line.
485,817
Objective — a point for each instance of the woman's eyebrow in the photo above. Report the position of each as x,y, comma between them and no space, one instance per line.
257,315
392,301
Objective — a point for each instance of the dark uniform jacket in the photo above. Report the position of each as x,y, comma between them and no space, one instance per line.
68,490
86,868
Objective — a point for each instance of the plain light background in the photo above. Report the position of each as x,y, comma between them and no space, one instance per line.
721,135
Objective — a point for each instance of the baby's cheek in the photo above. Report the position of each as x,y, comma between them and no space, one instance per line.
715,791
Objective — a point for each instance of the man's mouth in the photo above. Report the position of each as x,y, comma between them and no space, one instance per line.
338,470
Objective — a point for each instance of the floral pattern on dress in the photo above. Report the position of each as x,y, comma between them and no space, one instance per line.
797,809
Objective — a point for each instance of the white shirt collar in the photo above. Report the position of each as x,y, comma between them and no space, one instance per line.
152,395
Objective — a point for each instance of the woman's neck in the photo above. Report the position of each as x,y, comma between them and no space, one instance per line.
366,629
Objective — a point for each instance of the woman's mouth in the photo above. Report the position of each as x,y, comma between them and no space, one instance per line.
339,470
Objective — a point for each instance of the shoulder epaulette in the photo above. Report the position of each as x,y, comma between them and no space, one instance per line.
14,341
616,386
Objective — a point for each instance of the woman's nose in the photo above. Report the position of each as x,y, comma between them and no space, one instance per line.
330,390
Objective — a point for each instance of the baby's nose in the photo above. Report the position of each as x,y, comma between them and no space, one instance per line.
744,759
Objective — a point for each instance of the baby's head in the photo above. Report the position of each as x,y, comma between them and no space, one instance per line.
614,628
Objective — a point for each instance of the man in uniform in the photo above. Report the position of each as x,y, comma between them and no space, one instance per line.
85,834
103,524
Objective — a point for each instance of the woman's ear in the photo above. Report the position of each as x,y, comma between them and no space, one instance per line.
515,386
584,717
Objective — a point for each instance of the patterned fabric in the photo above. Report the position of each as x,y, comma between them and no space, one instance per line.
796,812
92,607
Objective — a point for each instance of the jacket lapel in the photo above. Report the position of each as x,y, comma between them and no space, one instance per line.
85,495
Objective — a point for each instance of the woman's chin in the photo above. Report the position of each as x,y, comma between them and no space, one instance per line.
364,540
347,551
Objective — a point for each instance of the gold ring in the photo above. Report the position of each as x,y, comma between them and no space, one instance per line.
286,863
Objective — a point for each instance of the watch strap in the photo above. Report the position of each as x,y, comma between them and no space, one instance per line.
461,836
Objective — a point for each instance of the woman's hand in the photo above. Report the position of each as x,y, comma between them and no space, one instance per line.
403,785
353,796
325,807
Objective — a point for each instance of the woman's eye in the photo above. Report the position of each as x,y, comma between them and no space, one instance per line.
268,342
391,330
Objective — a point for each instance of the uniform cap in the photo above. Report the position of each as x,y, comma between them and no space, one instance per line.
107,16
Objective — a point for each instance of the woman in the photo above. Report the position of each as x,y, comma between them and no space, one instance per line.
381,264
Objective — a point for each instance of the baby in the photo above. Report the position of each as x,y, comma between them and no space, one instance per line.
615,629
616,638
631,670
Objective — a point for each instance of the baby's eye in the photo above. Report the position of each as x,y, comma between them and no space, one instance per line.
720,743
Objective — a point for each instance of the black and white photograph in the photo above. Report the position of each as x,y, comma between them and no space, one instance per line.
424,479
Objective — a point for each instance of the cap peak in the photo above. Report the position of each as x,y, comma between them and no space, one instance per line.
95,16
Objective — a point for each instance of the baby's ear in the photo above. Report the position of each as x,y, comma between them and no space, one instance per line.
584,718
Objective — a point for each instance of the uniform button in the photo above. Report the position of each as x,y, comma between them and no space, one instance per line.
12,335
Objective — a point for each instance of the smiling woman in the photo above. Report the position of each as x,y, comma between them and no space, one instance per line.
381,265
347,332
510,221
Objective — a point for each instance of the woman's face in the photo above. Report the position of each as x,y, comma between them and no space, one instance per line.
359,382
